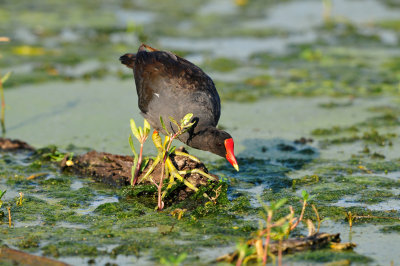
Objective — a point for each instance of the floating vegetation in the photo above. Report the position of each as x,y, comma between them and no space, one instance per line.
283,78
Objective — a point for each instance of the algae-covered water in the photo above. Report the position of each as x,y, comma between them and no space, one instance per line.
325,71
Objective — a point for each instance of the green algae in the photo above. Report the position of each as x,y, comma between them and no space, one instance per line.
366,181
135,227
113,222
95,218
29,241
391,229
390,24
329,256
375,196
222,64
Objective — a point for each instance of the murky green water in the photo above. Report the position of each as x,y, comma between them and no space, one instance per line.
284,71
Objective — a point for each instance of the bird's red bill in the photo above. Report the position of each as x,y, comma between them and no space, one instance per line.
230,155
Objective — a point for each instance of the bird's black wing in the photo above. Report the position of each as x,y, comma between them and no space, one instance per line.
178,81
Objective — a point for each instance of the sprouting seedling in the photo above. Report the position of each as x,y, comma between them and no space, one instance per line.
20,199
275,229
243,250
350,218
165,150
270,212
1,196
306,197
9,216
167,167
141,134
173,261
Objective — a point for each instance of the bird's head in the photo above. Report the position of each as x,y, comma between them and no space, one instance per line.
216,141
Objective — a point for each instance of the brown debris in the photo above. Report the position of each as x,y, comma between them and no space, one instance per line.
316,241
116,169
16,257
14,144
303,140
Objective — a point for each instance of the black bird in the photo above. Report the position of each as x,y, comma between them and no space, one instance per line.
169,85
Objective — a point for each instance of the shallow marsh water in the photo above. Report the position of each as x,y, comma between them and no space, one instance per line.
282,75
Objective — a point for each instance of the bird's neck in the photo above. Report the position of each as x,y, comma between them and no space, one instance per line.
209,139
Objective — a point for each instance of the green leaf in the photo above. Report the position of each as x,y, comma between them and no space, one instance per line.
134,129
157,141
146,127
171,150
5,77
186,119
141,133
187,127
173,121
132,146
135,162
305,195
145,162
190,124
163,125
2,193
278,204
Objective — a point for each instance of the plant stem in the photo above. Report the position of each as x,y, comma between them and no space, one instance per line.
3,107
267,238
280,252
317,214
9,216
159,187
166,154
139,165
240,260
301,216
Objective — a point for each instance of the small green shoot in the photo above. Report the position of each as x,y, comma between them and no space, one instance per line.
273,229
173,261
1,196
20,199
164,151
141,134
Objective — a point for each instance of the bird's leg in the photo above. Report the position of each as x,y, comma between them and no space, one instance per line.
193,158
175,174
193,171
170,183
197,171
151,169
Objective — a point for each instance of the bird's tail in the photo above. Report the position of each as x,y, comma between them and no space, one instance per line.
128,60
147,48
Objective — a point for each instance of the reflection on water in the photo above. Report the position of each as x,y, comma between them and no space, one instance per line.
99,200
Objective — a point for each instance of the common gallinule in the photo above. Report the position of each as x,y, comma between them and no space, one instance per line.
169,85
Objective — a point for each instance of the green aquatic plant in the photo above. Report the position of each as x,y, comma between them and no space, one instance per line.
1,196
165,149
20,199
141,134
276,230
173,261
